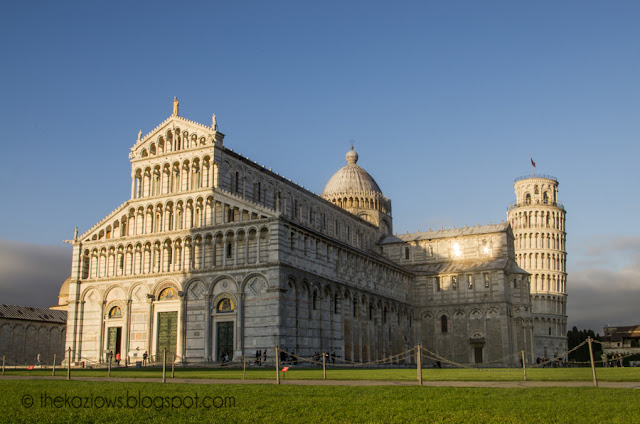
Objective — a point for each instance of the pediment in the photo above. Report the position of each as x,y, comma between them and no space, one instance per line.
173,134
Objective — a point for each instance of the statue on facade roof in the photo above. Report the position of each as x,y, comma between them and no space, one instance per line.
175,106
139,135
214,123
75,234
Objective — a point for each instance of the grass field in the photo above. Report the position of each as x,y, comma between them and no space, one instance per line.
405,374
87,402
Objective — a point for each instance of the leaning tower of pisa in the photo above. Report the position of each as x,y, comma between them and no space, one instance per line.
538,223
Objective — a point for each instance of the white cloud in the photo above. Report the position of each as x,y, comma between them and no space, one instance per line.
605,287
32,274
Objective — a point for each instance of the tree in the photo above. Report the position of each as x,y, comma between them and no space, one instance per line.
575,337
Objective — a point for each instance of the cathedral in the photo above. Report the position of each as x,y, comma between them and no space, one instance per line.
215,255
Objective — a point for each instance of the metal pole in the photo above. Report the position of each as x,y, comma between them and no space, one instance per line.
324,366
524,367
2,364
277,367
420,364
173,363
244,366
109,366
593,367
53,373
69,366
164,365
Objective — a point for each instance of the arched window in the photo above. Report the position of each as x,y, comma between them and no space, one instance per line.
406,253
315,300
536,191
527,199
115,312
168,294
545,198
443,323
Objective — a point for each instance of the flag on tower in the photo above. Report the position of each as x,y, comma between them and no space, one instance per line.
533,163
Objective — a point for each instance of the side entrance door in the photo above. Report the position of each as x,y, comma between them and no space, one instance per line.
224,339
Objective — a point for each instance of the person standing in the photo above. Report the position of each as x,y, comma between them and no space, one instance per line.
118,359
38,358
144,359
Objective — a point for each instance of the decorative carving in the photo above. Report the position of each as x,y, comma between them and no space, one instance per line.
196,291
257,285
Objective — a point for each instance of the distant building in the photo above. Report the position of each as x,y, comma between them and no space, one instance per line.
26,331
622,340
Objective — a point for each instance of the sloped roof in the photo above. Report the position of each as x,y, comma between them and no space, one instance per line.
33,313
449,233
474,265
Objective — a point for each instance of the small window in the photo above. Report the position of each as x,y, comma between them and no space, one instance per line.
527,199
229,250
515,283
537,191
438,286
443,323
355,308
293,241
336,304
315,301
545,198
406,253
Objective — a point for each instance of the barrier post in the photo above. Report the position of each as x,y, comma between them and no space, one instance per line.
173,364
53,372
109,366
324,366
69,365
524,367
244,366
277,366
419,364
164,365
593,366
2,364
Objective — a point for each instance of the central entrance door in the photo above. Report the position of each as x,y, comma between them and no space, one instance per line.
113,340
224,339
167,335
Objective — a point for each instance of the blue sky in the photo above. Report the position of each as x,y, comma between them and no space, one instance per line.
445,102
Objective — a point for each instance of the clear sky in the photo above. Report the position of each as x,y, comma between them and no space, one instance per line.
445,100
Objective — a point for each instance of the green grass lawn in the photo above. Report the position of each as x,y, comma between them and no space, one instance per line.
272,403
404,374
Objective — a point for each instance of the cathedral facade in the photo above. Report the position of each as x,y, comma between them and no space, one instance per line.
214,255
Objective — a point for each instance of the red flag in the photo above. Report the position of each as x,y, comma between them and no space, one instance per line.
30,367
285,369
533,163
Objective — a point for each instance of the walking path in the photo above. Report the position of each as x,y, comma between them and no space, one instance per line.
503,384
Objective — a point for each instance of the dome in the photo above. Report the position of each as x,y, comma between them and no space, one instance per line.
350,179
64,289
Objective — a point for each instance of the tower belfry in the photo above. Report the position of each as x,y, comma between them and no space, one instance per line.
538,223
